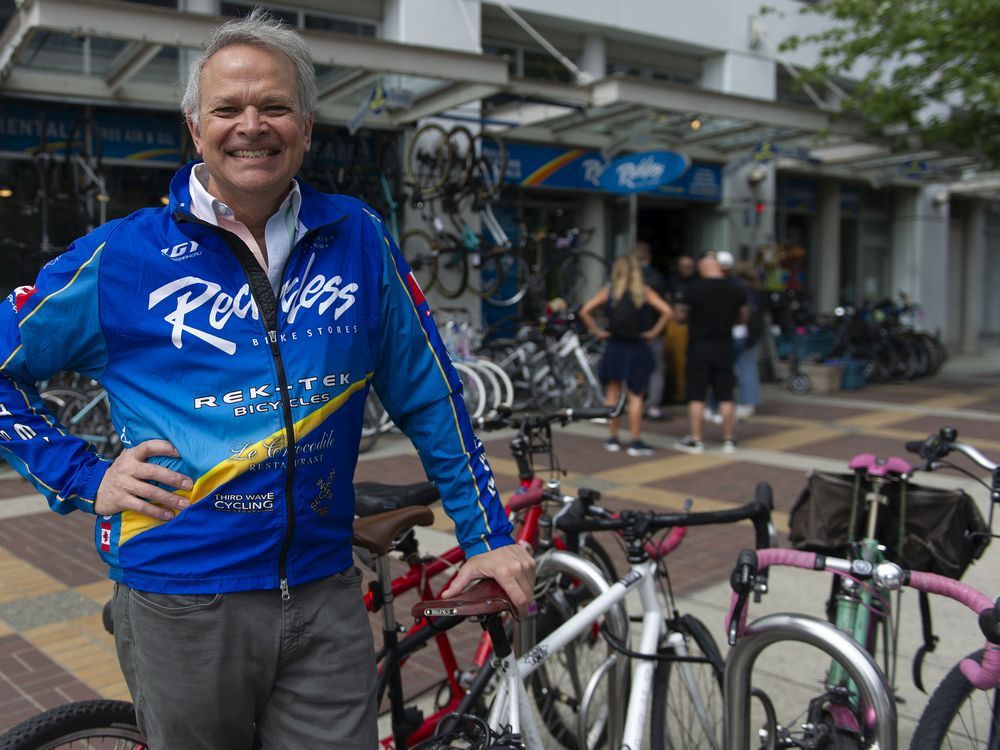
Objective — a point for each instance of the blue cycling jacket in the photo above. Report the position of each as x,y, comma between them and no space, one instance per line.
262,396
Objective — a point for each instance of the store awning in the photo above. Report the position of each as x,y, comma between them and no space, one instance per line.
105,52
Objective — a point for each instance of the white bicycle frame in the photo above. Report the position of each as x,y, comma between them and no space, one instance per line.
517,714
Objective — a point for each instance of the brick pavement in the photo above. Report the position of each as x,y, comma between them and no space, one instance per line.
53,648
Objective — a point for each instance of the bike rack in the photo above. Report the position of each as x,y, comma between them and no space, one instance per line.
875,693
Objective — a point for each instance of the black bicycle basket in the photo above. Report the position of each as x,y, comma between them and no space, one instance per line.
943,529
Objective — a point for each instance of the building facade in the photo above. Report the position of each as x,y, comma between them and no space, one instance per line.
571,86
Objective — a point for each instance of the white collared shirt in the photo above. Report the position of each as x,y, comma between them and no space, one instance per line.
281,232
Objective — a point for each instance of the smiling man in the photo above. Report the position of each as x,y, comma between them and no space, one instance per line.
237,332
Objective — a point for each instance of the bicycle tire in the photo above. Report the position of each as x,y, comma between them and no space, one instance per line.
473,390
490,166
517,266
428,159
503,380
557,685
371,426
452,276
421,255
673,722
486,274
89,721
461,147
957,715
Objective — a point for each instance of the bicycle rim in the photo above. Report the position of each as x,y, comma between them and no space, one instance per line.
486,277
418,250
490,166
428,159
452,272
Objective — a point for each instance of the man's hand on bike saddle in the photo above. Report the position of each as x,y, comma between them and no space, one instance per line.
512,567
129,483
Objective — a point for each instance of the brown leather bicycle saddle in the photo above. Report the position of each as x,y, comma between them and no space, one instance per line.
483,598
375,533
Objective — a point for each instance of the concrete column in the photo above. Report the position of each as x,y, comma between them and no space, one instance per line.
920,251
975,260
743,74
743,230
594,58
594,213
827,258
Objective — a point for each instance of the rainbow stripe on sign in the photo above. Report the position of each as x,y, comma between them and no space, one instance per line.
550,168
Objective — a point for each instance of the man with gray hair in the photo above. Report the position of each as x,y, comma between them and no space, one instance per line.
237,332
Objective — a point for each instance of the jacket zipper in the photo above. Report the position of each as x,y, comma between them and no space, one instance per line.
268,305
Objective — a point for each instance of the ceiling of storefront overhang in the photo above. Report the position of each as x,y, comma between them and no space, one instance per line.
107,52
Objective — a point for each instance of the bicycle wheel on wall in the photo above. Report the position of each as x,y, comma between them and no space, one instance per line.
95,724
421,255
958,715
428,159
687,695
486,272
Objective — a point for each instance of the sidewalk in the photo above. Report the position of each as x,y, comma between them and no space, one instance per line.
53,648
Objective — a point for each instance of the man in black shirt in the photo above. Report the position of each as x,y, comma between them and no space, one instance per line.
712,305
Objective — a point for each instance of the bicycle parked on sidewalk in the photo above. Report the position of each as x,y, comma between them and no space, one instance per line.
865,715
675,670
957,715
105,723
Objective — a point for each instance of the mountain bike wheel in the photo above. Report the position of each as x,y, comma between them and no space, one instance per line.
92,724
421,255
959,716
428,159
688,701
517,273
557,686
578,273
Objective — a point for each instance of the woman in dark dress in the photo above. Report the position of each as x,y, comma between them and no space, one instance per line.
636,315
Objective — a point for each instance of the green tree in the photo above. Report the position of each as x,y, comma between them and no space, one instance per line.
933,67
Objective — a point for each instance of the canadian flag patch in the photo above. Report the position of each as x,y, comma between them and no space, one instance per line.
105,536
21,295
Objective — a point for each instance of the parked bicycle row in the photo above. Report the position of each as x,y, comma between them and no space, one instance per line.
593,681
884,340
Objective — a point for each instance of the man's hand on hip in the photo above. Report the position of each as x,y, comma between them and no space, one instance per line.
128,484
512,567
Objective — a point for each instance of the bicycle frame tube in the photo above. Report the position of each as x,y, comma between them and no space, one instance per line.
854,613
879,716
653,626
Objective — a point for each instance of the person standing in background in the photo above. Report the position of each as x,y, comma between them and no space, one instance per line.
712,305
675,338
627,361
655,281
746,368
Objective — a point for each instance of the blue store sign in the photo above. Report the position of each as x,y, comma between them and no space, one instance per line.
638,173
656,172
135,136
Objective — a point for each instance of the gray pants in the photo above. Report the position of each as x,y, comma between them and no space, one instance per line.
654,392
226,671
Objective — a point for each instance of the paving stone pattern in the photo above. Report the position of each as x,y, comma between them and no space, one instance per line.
53,648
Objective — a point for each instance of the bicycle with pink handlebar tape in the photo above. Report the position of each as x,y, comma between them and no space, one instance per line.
869,707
